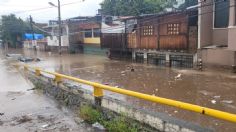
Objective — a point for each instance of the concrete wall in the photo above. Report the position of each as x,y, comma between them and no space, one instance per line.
53,41
220,36
205,24
232,39
75,95
221,57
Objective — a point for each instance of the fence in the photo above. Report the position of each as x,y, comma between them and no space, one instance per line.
98,92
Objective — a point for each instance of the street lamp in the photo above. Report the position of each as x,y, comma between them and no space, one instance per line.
59,21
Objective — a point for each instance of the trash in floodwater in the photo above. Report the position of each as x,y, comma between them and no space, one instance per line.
227,101
14,55
122,72
28,59
217,97
25,59
98,126
106,83
132,69
204,92
1,114
44,126
176,111
213,101
178,77
156,89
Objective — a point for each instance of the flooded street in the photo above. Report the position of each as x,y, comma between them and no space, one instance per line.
26,110
212,88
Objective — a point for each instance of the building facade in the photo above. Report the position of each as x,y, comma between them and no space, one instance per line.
217,31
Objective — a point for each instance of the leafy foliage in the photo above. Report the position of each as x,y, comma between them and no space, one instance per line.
188,3
134,7
12,29
112,122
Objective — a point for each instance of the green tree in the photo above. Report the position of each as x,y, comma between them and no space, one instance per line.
12,30
134,7
188,3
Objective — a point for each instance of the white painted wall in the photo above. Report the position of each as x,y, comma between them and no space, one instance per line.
54,41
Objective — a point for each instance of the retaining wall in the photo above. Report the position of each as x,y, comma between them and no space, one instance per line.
74,96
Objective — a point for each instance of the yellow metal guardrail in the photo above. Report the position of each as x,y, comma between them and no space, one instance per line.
98,92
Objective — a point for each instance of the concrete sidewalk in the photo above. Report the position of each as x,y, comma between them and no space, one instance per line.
25,110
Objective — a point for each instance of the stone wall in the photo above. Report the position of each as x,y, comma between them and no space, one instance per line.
74,96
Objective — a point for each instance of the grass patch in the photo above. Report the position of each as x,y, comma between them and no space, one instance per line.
113,124
90,114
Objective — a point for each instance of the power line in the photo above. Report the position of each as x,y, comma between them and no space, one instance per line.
43,8
123,26
166,22
150,19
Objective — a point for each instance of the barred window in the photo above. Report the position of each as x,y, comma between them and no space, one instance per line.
221,13
173,28
88,33
96,32
147,30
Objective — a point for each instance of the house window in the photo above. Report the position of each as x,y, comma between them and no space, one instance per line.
147,30
221,13
173,28
235,12
88,33
96,32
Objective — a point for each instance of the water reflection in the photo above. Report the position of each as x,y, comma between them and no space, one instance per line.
193,87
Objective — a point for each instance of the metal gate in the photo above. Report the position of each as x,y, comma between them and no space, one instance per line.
181,61
139,57
156,59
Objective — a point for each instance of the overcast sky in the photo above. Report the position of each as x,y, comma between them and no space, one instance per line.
21,8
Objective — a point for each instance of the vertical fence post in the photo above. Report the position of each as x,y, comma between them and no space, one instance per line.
17,67
37,72
26,68
98,94
57,79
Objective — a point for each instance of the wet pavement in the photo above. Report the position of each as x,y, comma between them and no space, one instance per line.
25,110
211,88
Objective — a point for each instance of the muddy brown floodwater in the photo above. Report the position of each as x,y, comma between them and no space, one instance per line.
212,88
25,110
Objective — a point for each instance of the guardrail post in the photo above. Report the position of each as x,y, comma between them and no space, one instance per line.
57,79
26,68
17,67
37,72
98,94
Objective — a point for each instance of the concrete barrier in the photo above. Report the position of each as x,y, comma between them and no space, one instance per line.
75,95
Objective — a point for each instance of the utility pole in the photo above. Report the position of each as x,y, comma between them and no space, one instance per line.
32,31
59,23
31,26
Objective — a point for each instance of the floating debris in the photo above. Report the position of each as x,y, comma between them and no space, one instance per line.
178,77
1,114
213,101
217,97
44,126
132,69
98,127
227,101
106,83
122,72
